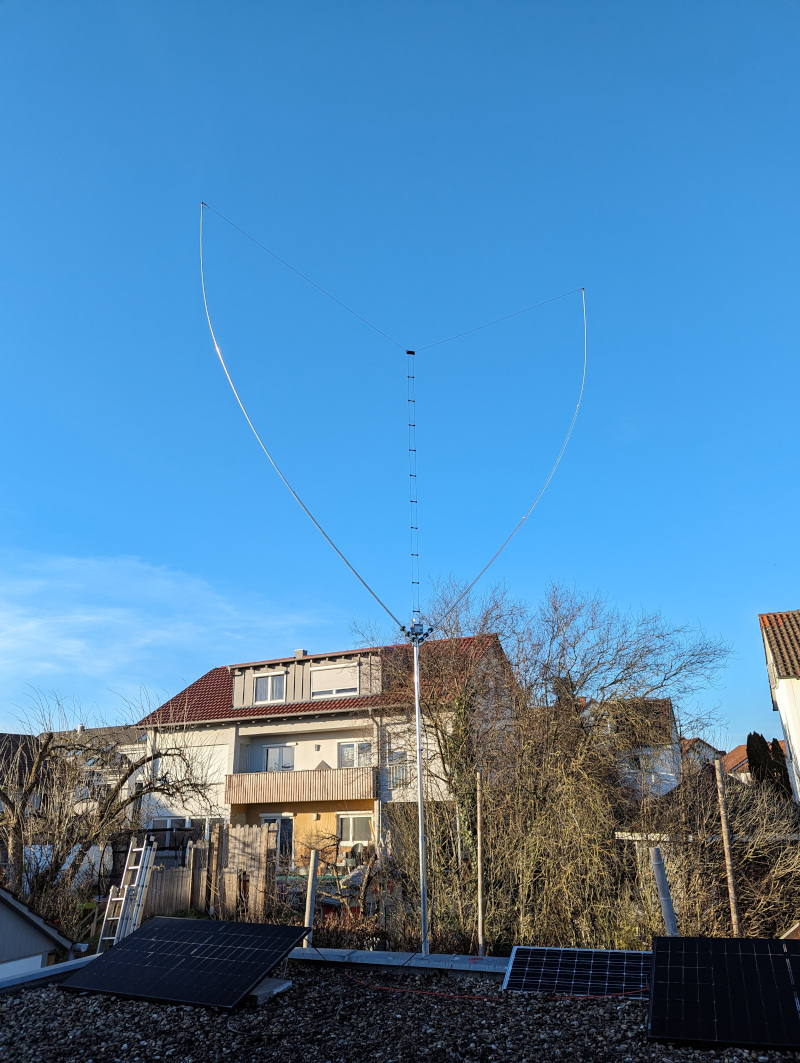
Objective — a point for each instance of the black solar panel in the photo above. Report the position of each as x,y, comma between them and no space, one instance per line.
577,972
189,961
727,991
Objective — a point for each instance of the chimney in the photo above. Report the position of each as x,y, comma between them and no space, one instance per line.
298,654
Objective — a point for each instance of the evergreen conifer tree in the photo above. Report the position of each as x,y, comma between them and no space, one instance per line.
759,758
780,772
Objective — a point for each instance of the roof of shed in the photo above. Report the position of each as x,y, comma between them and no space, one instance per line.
34,919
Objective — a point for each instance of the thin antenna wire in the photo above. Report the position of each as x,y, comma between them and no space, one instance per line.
272,462
412,476
314,284
492,560
497,320
412,446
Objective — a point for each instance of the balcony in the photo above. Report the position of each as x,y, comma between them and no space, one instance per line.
277,787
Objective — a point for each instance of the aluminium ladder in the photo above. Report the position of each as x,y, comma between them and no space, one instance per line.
126,903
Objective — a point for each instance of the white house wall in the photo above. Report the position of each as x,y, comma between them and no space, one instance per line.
220,750
786,698
209,750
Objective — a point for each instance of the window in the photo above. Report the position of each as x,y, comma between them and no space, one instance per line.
334,681
282,829
397,770
354,829
269,688
279,758
355,754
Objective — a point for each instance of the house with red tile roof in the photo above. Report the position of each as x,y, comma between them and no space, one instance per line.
736,763
698,751
780,633
314,745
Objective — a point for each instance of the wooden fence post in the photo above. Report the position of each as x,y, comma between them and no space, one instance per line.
212,871
262,873
190,877
726,842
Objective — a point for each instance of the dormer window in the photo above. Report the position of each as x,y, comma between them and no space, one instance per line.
269,688
334,680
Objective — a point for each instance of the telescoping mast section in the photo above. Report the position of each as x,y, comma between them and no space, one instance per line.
417,634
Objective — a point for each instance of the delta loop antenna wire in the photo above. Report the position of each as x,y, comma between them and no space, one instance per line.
270,458
416,632
551,474
412,425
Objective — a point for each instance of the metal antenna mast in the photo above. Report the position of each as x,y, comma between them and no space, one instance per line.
412,477
417,634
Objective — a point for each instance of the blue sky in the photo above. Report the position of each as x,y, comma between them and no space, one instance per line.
434,166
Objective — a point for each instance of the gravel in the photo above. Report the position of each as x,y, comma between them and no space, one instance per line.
328,1017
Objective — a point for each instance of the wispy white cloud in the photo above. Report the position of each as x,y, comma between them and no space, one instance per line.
101,629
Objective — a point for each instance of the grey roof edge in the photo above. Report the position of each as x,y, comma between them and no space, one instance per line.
36,920
485,966
56,972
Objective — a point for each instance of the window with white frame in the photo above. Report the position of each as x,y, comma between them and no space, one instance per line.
334,681
355,754
281,827
279,758
395,774
269,688
353,829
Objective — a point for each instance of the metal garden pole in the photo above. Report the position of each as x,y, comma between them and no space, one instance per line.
665,900
479,817
311,895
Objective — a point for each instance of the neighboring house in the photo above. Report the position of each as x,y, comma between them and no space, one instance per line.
16,750
27,942
648,728
781,635
735,763
313,745
699,752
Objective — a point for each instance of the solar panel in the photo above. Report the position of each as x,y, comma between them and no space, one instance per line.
577,972
740,991
189,961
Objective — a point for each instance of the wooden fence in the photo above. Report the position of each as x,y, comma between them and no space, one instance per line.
233,873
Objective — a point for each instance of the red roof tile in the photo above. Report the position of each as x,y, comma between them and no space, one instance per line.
736,760
781,633
210,698
687,744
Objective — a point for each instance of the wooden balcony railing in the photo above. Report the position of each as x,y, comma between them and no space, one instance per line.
271,787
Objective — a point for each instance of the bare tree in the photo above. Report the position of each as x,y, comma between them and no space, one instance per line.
67,790
571,734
